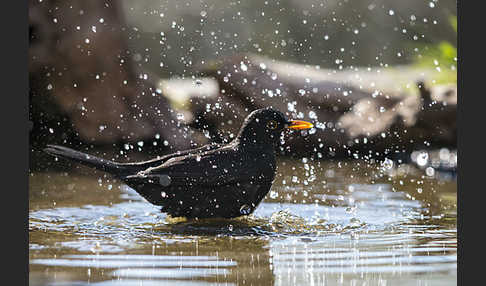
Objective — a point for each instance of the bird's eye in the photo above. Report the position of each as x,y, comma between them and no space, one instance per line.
272,124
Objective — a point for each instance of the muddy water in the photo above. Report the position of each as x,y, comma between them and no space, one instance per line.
323,223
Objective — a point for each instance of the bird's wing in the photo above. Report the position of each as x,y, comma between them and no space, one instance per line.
218,167
160,160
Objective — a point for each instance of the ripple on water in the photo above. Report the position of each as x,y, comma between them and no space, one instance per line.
372,233
148,269
373,257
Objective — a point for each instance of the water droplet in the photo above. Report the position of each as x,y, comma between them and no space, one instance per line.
444,154
422,158
387,164
273,194
430,171
245,209
243,66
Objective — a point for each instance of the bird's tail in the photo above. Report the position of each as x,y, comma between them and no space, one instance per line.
88,160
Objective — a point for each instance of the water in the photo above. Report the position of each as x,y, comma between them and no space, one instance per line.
339,223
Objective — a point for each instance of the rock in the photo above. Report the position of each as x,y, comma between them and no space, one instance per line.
83,75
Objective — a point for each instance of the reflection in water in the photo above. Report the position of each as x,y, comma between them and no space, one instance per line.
135,261
372,257
147,266
131,282
338,229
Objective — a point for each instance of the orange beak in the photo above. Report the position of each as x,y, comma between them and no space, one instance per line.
300,125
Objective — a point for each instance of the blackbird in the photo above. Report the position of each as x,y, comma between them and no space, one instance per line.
216,180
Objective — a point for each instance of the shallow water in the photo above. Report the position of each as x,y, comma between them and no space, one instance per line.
323,223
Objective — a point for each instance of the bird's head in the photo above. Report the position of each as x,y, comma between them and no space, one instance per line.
265,126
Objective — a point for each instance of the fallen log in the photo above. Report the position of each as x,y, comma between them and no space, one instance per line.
354,114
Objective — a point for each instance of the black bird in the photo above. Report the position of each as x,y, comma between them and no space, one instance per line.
215,180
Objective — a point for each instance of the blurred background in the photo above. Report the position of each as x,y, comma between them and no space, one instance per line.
172,38
155,76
